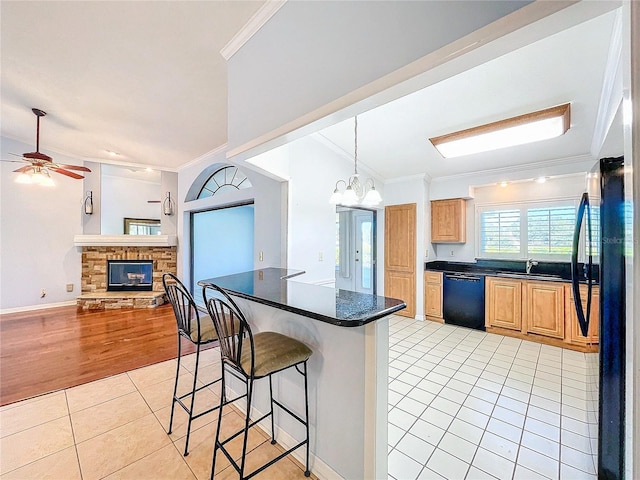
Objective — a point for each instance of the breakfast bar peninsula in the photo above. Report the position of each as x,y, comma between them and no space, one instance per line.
348,370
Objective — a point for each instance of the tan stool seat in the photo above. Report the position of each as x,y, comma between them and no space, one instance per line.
273,352
207,330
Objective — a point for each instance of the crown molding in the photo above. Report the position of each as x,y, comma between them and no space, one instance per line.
519,168
221,149
255,23
420,176
611,94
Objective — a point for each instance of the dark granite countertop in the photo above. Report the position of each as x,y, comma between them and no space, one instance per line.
544,271
271,286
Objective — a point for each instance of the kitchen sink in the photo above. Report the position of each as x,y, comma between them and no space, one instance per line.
530,276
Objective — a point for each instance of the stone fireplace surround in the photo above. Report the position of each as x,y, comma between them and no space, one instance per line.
94,294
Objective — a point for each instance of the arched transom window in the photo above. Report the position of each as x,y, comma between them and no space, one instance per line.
225,179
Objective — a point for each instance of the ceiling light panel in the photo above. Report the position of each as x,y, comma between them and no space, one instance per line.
527,128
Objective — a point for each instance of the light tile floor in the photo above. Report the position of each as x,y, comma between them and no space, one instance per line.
464,404
115,429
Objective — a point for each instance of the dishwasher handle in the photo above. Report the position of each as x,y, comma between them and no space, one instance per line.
462,277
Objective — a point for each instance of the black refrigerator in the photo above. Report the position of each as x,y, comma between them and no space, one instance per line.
600,236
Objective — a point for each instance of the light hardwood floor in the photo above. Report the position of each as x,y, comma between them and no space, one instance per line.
46,350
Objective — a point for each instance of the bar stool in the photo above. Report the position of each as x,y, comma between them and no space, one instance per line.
250,357
199,330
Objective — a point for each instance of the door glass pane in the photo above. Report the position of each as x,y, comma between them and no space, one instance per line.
367,253
222,242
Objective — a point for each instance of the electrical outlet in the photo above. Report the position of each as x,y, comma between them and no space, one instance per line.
261,256
69,287
451,253
320,257
43,293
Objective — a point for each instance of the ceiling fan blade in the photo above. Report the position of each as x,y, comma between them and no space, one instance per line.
12,161
24,169
74,167
67,173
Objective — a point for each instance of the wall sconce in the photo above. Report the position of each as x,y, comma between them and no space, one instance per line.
167,205
88,203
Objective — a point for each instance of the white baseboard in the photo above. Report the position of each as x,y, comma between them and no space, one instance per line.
317,466
43,306
420,317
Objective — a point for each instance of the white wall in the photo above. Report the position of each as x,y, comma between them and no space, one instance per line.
312,53
268,197
564,187
37,225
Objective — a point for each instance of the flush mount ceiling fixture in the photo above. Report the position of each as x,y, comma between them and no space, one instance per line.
530,127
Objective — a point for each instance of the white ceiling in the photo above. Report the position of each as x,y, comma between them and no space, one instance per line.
566,67
144,79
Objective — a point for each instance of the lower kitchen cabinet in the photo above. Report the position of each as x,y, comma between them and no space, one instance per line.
433,295
504,303
540,311
573,335
403,286
544,308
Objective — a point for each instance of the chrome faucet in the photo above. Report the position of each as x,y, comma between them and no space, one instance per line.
530,263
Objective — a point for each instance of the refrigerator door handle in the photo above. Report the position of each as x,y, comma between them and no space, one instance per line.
575,279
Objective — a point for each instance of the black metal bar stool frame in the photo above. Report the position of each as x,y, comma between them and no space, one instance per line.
221,307
185,311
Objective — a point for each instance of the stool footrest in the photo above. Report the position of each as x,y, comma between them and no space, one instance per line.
263,467
289,412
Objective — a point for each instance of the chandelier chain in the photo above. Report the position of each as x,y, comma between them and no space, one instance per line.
355,149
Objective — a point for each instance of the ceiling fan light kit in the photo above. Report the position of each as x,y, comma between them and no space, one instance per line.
38,172
528,128
355,191
35,176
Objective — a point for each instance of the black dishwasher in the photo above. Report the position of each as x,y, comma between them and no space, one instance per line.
463,301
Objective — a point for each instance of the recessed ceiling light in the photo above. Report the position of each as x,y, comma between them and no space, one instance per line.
149,169
111,153
503,184
527,128
541,179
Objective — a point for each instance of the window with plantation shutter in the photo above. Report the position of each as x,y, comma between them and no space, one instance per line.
540,230
500,232
550,230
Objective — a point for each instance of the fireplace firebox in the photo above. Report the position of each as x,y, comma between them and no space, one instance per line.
129,275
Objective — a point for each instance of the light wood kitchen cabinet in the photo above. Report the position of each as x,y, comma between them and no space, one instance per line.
400,255
403,286
573,335
544,308
433,295
503,305
448,221
540,311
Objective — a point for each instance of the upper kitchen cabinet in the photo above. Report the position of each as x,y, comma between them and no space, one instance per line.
448,221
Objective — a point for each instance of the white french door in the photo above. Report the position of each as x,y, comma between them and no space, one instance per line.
355,250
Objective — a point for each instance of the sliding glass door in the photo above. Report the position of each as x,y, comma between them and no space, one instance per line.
221,242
